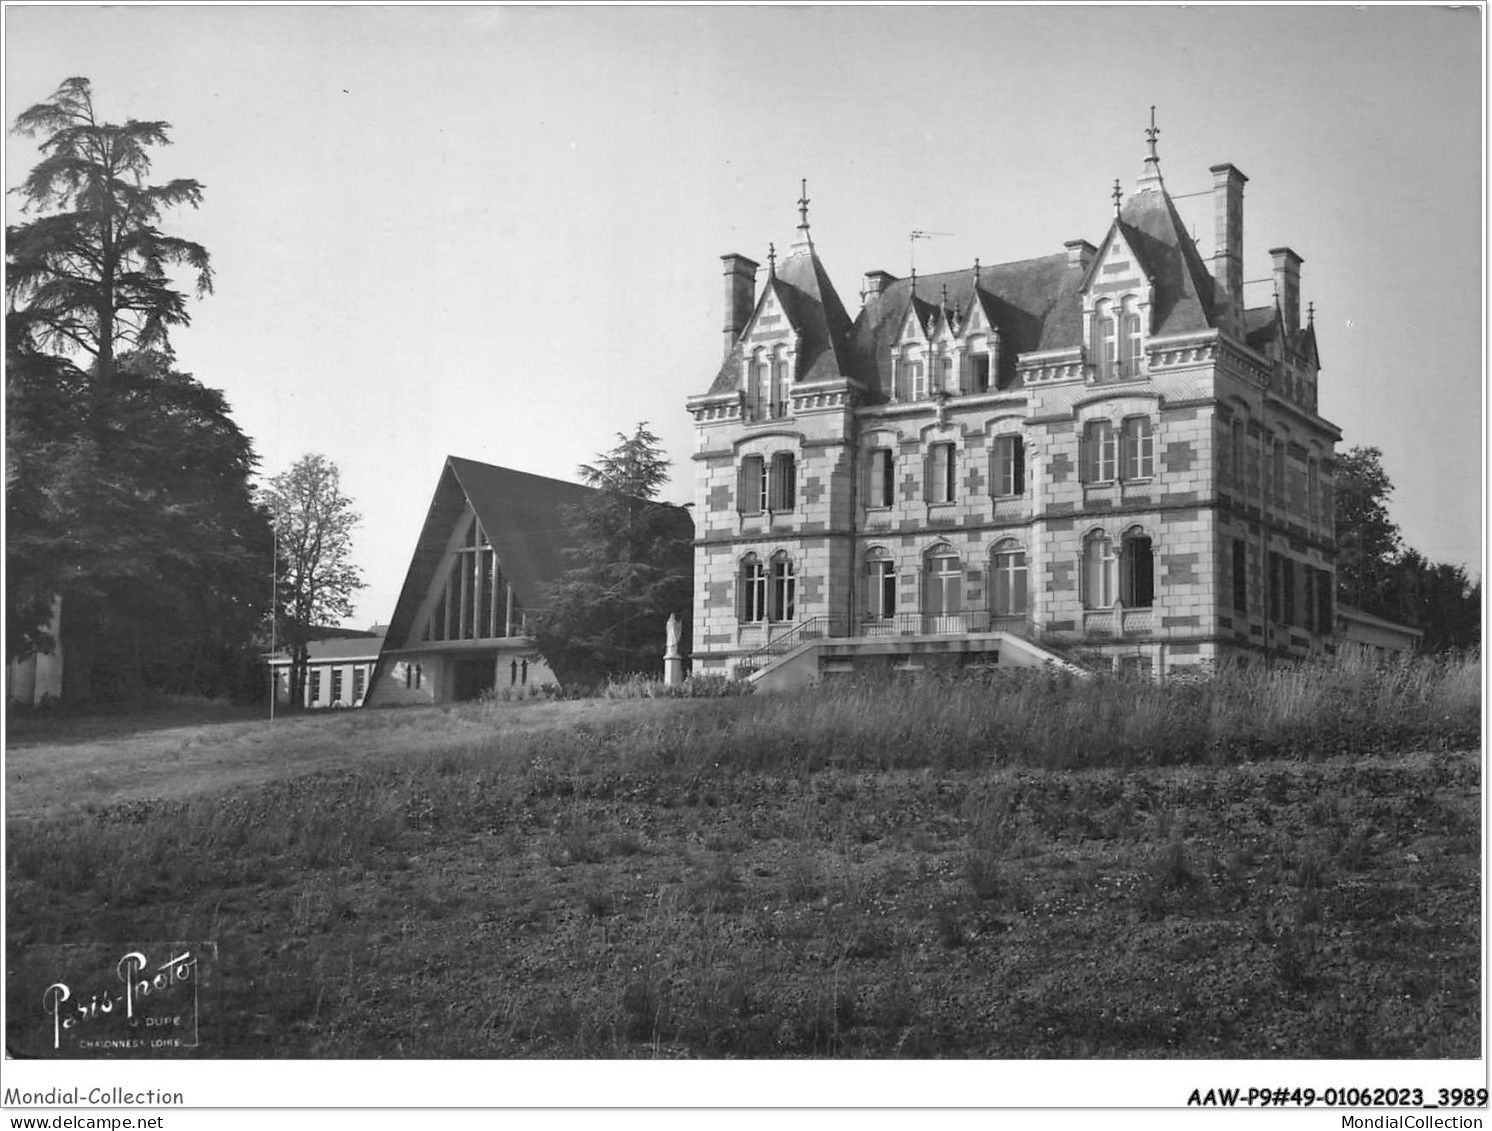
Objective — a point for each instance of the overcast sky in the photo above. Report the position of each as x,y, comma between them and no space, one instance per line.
495,232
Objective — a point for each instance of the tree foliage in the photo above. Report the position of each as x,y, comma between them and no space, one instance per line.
1378,574
316,579
89,274
632,565
128,489
144,523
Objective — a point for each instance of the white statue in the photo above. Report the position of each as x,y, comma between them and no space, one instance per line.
673,635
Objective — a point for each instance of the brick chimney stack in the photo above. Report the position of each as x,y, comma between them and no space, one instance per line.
1080,253
740,295
1287,287
875,284
1227,246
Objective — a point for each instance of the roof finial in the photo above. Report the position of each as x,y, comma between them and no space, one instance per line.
1310,314
914,282
1118,195
1151,134
771,261
976,271
803,208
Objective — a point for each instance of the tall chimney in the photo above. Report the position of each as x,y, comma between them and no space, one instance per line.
1080,253
740,295
1227,246
875,284
1287,286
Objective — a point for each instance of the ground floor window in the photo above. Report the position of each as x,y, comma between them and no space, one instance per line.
944,582
753,590
881,581
783,589
1099,572
1136,573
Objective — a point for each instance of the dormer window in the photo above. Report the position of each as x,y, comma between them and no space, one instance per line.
976,366
779,385
755,381
1105,341
1130,341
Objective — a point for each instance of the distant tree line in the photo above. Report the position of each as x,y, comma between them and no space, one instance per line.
1377,573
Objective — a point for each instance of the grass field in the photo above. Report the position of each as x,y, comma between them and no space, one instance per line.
1271,865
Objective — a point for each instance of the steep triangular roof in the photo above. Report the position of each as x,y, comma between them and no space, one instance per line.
814,310
1183,288
525,521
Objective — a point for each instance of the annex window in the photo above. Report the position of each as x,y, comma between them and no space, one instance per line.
1008,595
336,685
1130,340
1139,448
942,470
784,482
1137,572
782,588
881,487
1100,570
880,575
943,584
313,695
751,493
1105,341
780,399
358,677
1240,576
1009,473
753,590
1100,455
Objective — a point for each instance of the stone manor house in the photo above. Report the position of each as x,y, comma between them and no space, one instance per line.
1100,454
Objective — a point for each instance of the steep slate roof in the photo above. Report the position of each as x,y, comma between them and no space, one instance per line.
344,646
814,309
1034,302
523,516
1183,297
1261,327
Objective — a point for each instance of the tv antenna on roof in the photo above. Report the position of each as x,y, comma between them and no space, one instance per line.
919,234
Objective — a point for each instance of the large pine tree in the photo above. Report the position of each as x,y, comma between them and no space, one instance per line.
128,484
632,566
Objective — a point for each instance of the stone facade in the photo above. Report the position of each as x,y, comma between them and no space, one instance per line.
1102,449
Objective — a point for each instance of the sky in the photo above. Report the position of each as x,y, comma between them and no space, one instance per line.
494,232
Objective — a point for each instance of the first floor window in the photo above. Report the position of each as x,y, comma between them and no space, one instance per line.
1240,576
942,470
1139,448
753,591
1276,587
1137,573
1100,452
945,582
751,491
1099,572
784,482
1237,454
1010,466
881,579
1009,568
783,588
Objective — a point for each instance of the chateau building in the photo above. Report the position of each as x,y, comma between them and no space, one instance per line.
1100,454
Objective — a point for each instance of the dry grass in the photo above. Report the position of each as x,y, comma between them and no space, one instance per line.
893,870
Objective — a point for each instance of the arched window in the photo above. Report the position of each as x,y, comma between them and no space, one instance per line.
880,581
1008,593
1105,343
1099,572
753,590
1130,339
943,582
782,588
779,384
1136,571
